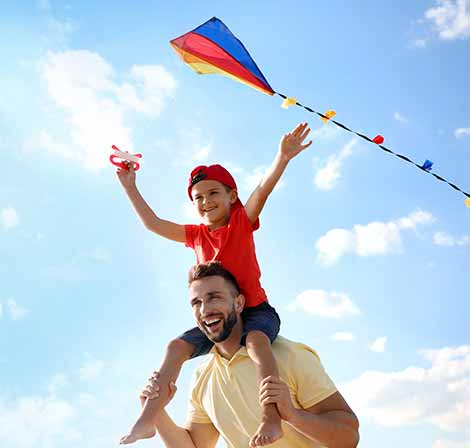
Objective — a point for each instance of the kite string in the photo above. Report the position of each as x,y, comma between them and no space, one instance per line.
383,148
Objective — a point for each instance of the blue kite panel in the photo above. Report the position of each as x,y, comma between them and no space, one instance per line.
215,30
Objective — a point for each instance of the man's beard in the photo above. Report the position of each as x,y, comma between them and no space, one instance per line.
229,323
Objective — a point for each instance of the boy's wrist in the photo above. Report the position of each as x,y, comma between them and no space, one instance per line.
130,188
282,159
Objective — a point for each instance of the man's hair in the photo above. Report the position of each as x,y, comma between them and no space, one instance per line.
213,268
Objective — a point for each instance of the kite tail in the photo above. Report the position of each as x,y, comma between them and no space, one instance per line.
426,167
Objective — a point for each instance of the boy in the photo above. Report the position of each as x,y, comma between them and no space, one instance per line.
226,236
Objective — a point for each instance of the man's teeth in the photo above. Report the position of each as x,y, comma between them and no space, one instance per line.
212,321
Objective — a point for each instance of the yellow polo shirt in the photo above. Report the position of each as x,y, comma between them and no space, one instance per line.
225,392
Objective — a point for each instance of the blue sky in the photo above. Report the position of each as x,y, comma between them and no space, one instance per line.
364,256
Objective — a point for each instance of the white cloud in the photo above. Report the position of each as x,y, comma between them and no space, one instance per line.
451,19
327,177
9,218
1,310
324,133
155,85
30,422
83,84
91,370
87,400
334,244
420,43
442,443
17,312
343,336
57,383
201,153
461,132
375,238
438,395
191,147
400,117
444,239
317,302
378,345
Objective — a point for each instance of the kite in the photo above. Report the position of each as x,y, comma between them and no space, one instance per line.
211,48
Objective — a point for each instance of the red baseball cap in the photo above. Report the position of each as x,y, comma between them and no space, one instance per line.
212,172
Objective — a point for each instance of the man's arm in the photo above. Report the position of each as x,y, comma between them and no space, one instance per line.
193,435
330,422
151,221
291,144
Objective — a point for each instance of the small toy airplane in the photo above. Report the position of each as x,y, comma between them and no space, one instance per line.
124,155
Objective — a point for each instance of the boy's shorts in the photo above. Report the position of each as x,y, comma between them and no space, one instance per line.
262,317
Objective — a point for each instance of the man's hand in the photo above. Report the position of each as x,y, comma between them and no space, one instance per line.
273,390
152,388
126,177
292,143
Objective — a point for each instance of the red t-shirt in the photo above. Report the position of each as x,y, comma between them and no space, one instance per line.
234,247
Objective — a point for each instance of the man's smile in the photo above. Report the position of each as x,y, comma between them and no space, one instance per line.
212,324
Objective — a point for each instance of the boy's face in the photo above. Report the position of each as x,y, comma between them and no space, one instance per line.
213,202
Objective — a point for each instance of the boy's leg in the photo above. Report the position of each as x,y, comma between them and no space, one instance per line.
258,347
177,352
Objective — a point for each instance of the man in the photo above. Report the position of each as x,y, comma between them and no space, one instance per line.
226,399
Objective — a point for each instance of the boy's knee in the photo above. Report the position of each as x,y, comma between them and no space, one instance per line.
257,337
180,346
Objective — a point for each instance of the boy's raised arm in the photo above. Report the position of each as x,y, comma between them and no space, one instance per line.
291,144
151,221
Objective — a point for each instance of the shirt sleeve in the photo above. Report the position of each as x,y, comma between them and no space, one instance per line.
191,232
241,215
196,412
312,383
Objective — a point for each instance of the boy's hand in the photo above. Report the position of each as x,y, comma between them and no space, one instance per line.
292,143
126,177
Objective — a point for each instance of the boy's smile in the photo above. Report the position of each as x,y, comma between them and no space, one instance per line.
213,200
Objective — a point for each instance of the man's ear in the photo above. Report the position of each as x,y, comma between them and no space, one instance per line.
239,303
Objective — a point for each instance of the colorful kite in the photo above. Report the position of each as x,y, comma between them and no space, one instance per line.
211,48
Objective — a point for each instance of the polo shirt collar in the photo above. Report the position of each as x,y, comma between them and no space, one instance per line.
240,354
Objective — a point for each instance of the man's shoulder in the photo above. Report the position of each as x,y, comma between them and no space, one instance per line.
287,350
202,369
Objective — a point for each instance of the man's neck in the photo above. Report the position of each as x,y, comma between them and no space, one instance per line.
231,345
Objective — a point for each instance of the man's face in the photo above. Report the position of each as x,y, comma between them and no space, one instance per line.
215,309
